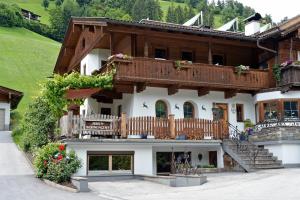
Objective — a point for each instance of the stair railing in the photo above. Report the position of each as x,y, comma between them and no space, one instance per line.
242,143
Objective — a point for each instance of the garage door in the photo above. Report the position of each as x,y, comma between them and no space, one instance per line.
2,117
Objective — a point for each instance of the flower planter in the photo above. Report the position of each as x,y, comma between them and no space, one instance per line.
134,136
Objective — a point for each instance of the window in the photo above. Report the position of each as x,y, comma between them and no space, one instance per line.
239,112
218,60
84,69
119,110
98,162
188,110
160,53
291,109
104,162
161,109
83,43
121,162
103,62
187,55
105,111
270,111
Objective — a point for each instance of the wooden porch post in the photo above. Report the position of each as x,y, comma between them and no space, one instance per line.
69,124
210,61
172,126
123,125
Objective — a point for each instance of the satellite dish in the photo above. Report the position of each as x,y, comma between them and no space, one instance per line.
193,20
232,25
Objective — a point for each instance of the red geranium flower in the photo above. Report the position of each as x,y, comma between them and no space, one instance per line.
60,157
61,147
45,162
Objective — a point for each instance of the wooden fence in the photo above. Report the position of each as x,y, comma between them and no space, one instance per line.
159,128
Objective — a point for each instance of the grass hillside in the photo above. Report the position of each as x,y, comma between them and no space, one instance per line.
34,6
26,58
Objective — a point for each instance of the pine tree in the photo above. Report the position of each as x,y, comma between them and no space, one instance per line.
139,10
45,4
179,15
171,16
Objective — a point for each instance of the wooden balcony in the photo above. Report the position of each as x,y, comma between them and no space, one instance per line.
106,126
164,72
290,76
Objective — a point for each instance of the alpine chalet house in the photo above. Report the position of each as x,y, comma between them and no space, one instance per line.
181,95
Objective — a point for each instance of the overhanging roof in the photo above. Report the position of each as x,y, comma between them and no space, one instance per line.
14,96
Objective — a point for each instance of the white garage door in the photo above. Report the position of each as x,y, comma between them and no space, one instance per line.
2,119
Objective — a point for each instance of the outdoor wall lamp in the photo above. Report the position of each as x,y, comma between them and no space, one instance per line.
203,108
176,106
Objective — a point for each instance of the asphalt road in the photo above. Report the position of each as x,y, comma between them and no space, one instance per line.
17,181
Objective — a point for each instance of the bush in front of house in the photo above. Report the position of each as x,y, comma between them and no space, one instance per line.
53,163
38,125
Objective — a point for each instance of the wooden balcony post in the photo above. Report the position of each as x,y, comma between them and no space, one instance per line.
172,126
69,124
123,125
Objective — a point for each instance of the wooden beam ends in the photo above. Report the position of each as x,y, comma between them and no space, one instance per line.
202,92
230,93
140,87
173,89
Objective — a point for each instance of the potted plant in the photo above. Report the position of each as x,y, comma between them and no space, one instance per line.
182,64
242,69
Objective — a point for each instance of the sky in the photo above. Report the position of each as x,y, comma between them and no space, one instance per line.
278,9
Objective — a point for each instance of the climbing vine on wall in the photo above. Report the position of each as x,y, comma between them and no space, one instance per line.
54,90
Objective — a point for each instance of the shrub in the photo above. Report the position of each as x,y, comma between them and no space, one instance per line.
38,124
10,15
53,163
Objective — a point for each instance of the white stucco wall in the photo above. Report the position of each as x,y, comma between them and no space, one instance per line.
203,105
276,95
133,104
6,107
288,153
143,160
145,154
93,60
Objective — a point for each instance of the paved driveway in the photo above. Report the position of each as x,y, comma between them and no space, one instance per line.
280,184
17,180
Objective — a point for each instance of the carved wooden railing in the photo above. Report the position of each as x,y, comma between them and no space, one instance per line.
290,75
165,72
158,128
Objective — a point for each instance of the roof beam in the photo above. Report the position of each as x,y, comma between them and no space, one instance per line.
86,42
230,93
140,87
173,89
202,91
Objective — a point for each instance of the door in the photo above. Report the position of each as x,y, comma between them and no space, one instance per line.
221,113
213,158
2,119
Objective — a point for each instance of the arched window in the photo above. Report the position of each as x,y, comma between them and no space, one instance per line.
161,109
188,110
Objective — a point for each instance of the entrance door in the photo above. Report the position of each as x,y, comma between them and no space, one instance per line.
222,115
213,158
2,119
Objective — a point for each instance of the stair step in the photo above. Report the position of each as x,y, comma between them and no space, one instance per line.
263,162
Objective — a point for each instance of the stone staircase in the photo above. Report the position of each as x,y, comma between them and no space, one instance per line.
249,156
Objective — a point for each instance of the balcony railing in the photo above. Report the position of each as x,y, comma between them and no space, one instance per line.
104,126
290,75
165,72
